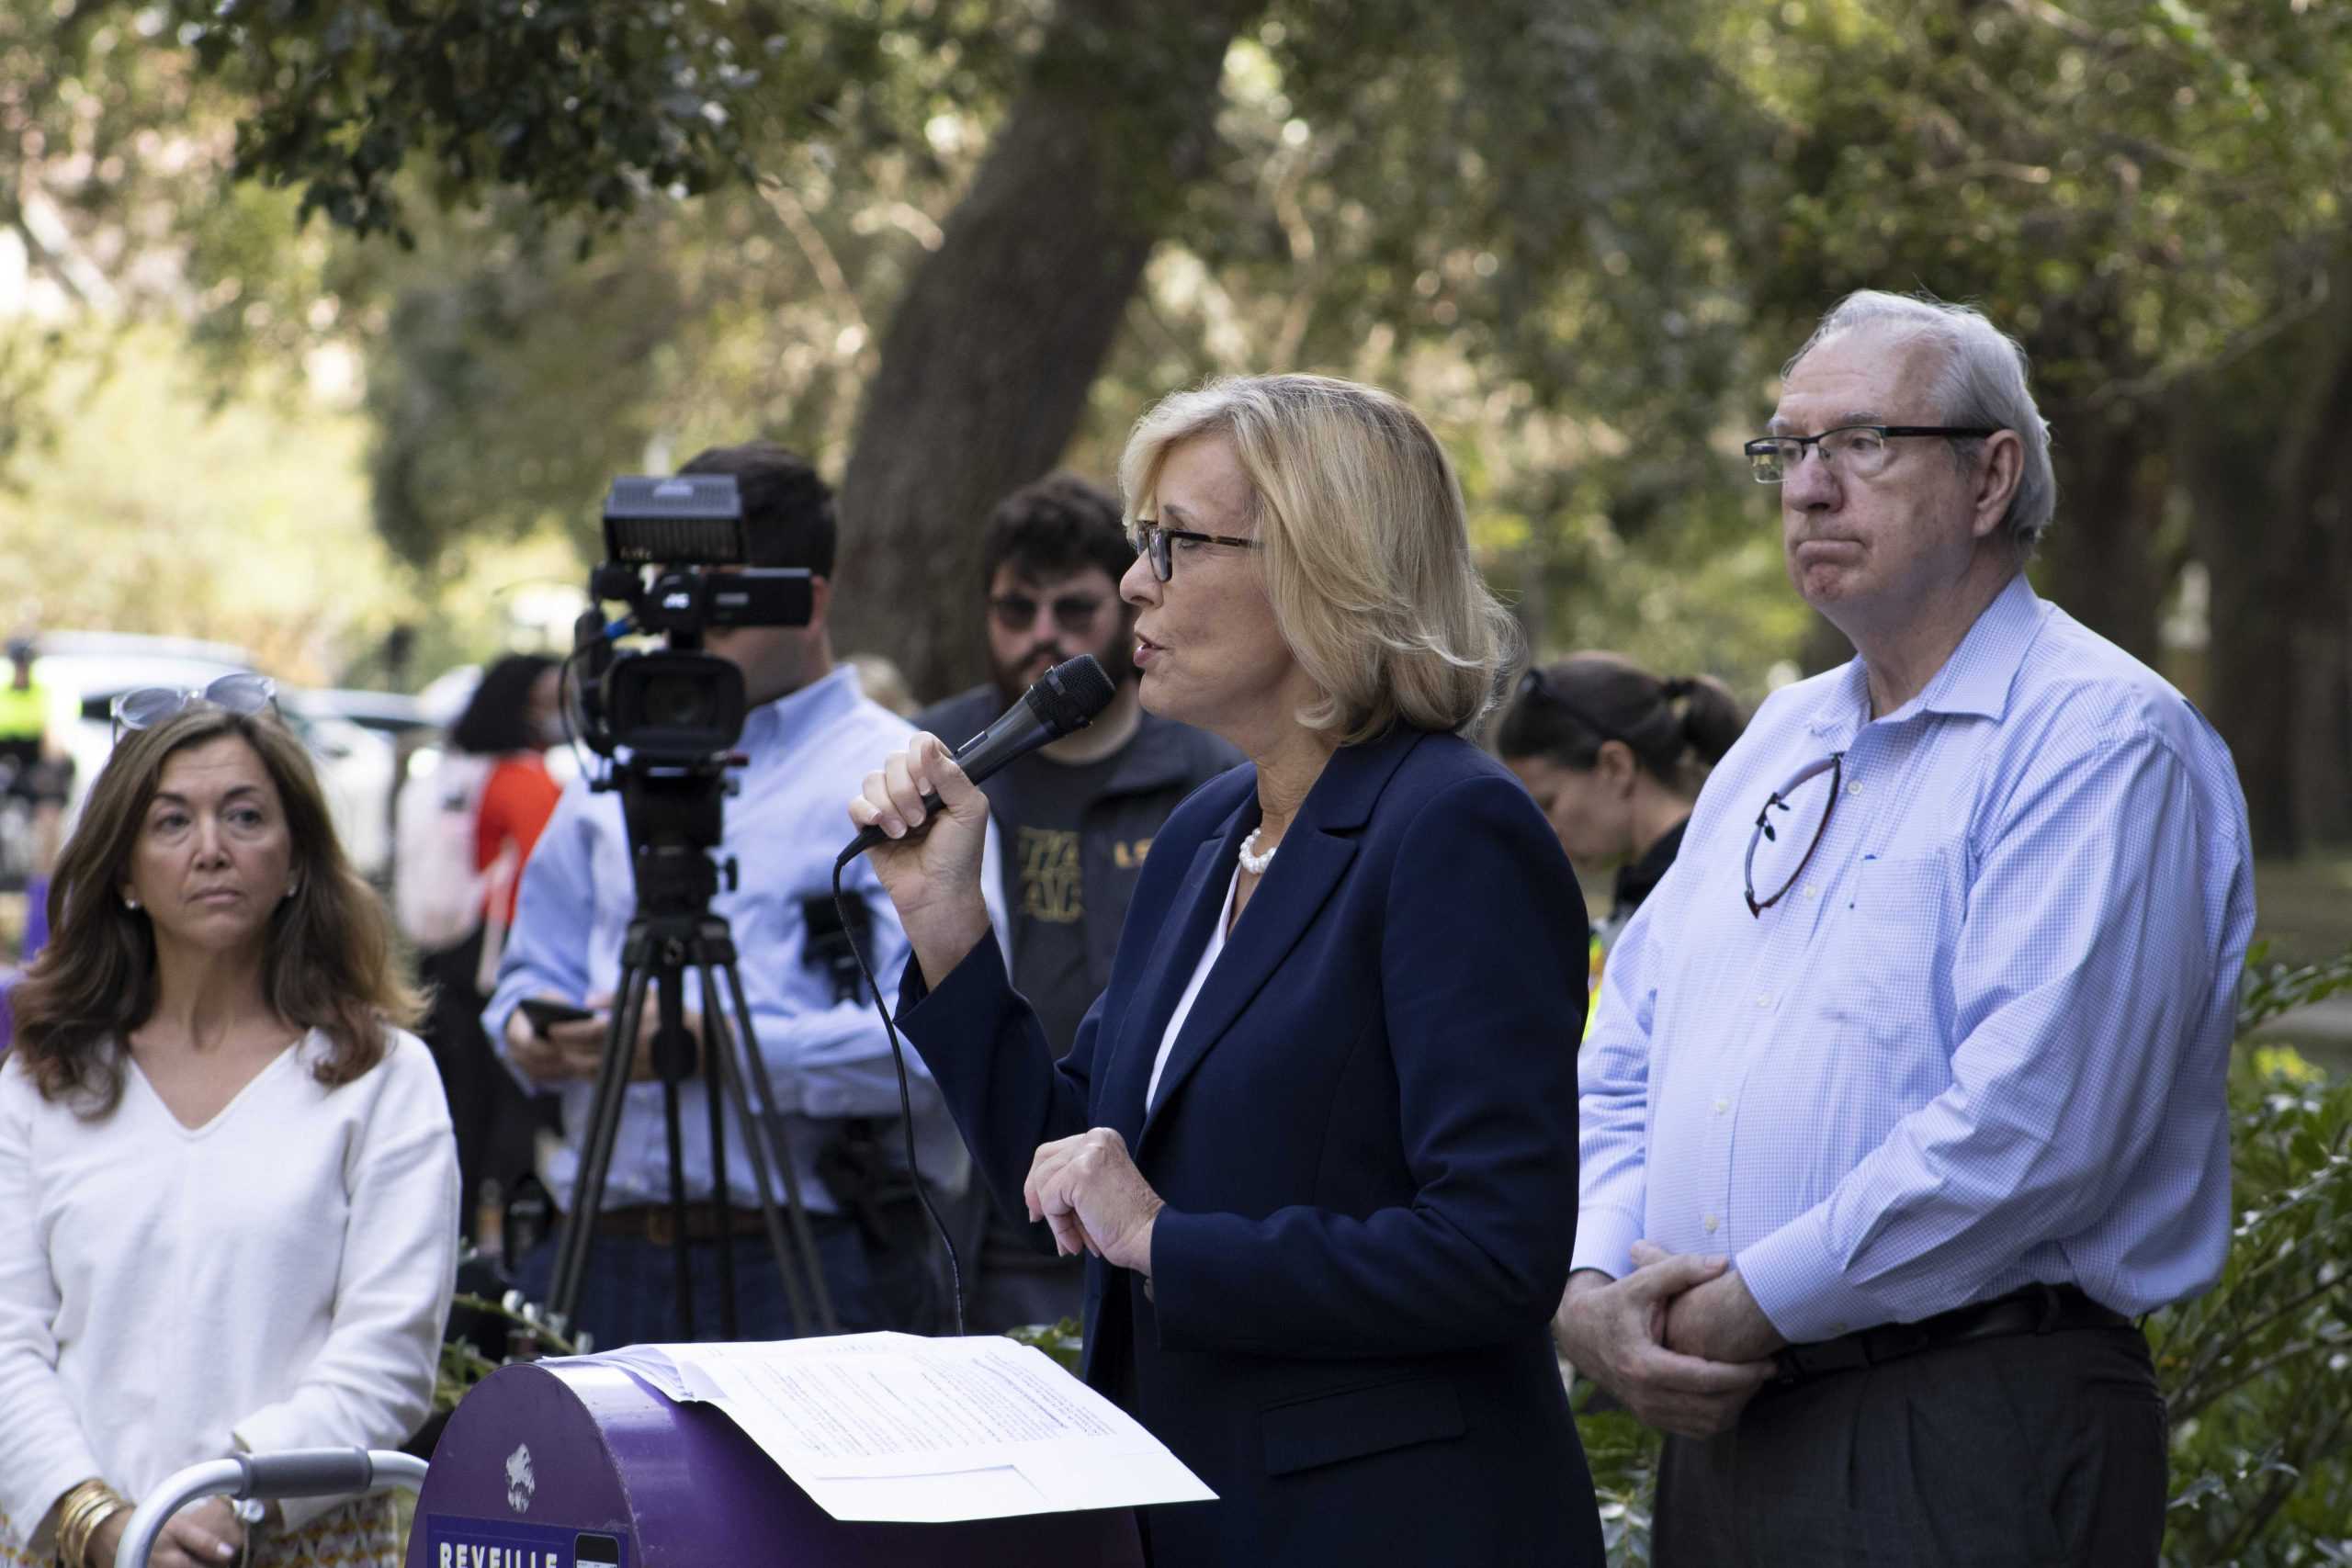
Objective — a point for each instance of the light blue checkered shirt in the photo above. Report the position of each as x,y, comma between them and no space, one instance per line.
1982,1042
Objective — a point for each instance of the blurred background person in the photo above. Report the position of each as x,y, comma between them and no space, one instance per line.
1317,1138
228,1188
884,682
1615,756
1077,818
467,828
36,780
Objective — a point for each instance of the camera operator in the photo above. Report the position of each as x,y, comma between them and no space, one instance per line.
808,739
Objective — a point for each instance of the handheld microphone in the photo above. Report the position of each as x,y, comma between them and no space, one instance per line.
1066,698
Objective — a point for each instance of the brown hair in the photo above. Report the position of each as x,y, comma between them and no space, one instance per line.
327,960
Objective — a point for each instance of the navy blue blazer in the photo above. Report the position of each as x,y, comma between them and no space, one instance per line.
1367,1138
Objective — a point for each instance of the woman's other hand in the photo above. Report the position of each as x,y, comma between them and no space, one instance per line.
202,1535
1095,1198
933,874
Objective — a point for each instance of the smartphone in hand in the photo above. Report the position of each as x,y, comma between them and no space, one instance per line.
544,1015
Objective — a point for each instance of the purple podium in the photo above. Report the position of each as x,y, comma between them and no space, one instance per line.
557,1466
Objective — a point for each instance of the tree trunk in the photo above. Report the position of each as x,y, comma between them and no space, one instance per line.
2099,561
984,366
2272,505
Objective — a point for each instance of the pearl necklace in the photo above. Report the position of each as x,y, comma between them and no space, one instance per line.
1253,862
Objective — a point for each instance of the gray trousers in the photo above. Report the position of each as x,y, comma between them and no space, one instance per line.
2025,1450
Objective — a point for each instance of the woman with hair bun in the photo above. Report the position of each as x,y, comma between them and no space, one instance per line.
1615,756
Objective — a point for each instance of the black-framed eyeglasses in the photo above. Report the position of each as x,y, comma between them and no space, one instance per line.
144,707
1158,544
1072,612
1834,765
1860,450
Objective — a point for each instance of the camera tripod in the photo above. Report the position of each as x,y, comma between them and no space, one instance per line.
674,931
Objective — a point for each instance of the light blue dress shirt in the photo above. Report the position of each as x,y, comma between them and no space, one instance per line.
809,751
1981,1041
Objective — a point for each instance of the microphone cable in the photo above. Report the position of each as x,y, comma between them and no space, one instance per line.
906,1098
1065,699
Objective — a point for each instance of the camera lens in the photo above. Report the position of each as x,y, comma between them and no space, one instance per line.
674,706
679,702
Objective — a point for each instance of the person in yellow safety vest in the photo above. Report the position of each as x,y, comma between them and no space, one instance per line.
24,709
38,774
1615,755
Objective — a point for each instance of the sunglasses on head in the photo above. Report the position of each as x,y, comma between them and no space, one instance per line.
1534,684
1072,612
147,707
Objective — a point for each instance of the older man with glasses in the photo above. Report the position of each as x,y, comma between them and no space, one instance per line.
1905,1096
1077,818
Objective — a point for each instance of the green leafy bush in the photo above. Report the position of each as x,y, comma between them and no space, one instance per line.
1064,1341
464,1364
2257,1374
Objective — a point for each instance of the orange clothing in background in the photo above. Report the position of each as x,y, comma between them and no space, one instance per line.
515,805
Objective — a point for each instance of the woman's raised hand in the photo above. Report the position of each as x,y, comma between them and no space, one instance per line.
929,862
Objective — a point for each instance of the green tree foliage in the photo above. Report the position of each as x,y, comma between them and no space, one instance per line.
592,105
912,237
2151,194
247,527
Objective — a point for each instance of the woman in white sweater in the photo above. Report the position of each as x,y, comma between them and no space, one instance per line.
228,1188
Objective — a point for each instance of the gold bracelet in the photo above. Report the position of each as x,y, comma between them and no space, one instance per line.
70,1508
74,1529
76,1495
115,1503
85,1509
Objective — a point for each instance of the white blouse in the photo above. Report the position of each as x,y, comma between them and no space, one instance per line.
278,1277
1192,989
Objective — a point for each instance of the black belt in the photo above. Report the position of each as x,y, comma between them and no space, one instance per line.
2037,1308
705,1221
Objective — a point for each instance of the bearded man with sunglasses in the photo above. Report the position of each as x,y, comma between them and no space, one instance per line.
1076,818
1904,1098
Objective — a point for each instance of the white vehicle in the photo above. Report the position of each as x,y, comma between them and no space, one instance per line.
85,672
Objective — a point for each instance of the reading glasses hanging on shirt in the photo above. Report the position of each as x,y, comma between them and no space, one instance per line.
1795,802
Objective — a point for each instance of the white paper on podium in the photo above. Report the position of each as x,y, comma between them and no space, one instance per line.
901,1427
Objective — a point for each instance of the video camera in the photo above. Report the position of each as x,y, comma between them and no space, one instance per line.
676,708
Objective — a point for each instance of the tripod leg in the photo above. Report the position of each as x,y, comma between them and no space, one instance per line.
672,1024
719,1043
722,1186
826,1322
596,1151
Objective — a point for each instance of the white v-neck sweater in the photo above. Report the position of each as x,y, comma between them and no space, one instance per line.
278,1277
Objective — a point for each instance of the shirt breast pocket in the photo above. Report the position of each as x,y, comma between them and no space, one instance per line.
1890,985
